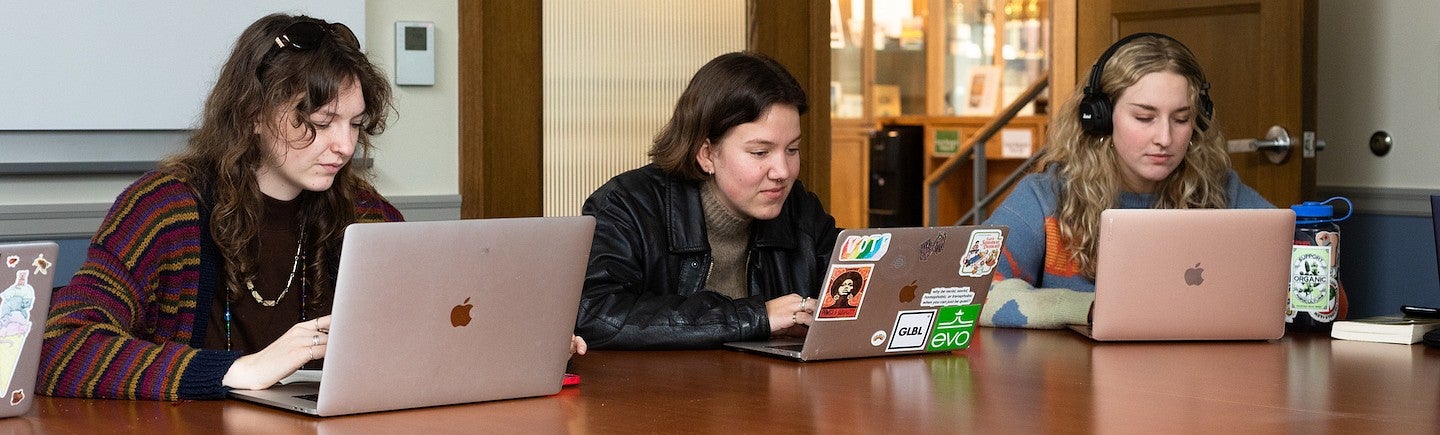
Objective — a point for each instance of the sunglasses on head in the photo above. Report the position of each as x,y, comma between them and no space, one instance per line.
307,34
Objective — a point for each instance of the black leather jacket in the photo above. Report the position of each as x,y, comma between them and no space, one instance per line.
648,264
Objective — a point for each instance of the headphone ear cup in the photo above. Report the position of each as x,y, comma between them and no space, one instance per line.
1208,108
1095,114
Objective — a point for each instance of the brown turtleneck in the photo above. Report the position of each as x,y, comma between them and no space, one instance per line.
729,237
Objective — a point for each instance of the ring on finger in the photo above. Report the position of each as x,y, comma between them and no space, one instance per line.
793,318
312,353
315,340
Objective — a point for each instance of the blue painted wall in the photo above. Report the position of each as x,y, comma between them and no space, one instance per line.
1388,261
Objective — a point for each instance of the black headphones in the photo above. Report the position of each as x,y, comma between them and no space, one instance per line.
1095,107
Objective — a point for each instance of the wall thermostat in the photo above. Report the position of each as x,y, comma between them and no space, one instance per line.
415,53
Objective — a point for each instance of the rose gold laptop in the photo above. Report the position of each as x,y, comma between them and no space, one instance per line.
1191,274
446,312
893,291
26,278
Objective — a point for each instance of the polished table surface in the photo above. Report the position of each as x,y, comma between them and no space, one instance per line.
1010,381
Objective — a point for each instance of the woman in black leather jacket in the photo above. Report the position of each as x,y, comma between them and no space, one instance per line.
715,240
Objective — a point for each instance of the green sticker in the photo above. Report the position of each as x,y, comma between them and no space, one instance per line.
947,141
954,327
1310,278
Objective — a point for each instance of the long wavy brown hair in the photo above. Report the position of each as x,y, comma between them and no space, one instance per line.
1089,177
259,82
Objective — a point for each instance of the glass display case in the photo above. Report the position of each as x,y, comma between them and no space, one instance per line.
946,65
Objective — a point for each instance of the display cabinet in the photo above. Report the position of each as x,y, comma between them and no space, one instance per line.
947,66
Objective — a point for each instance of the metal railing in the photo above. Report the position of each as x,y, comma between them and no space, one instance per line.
974,148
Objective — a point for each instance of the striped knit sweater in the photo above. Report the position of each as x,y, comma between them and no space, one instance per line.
131,322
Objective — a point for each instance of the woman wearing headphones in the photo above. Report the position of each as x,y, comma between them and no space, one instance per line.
1139,135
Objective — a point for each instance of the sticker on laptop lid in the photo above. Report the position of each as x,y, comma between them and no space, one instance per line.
844,292
954,327
877,339
910,331
41,265
932,246
947,296
15,324
870,247
17,396
981,253
12,261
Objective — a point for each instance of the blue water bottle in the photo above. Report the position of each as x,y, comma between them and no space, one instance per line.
1315,288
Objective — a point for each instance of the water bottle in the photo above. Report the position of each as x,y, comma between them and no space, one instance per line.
1314,292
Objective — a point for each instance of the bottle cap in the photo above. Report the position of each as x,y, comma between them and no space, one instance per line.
1312,210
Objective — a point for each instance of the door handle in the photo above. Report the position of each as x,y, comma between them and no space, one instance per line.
1275,146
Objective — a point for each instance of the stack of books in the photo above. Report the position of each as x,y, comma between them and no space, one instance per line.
1385,329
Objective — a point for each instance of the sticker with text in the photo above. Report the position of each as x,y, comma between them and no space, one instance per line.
982,253
947,296
954,326
865,248
845,292
911,330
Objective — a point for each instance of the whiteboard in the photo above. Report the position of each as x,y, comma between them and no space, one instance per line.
127,65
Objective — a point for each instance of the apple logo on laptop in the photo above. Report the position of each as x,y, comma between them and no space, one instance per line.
907,293
460,315
1194,276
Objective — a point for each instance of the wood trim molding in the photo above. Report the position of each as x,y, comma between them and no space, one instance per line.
805,51
501,131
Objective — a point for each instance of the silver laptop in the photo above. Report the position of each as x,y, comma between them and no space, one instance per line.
26,279
1193,274
446,312
892,291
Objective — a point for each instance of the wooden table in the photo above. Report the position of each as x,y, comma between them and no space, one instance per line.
1012,381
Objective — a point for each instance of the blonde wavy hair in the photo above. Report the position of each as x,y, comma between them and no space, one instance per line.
1088,168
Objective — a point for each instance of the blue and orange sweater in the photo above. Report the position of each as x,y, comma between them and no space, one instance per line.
131,322
1035,253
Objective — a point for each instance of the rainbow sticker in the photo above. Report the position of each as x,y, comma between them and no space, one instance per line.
865,248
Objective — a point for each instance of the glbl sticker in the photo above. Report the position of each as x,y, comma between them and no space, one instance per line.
911,329
954,326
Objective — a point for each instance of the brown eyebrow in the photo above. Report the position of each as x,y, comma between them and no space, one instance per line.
1154,109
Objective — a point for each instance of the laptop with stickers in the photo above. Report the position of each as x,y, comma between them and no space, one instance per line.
446,312
1191,274
28,277
893,291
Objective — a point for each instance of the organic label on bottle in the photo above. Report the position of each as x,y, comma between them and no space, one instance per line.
1311,278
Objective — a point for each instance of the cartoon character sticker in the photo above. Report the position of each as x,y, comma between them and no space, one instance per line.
41,265
845,292
12,261
981,253
15,324
869,247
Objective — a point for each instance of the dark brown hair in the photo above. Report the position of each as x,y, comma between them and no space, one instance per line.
732,89
258,82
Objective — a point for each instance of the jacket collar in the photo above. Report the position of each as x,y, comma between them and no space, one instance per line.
685,221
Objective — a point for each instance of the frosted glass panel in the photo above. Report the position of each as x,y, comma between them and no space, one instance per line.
613,70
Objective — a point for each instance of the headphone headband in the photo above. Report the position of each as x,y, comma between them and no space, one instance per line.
1095,107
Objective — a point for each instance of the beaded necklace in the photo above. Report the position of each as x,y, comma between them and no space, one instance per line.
296,266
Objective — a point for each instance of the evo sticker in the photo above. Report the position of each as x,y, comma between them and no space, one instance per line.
15,325
947,296
954,326
911,330
865,248
982,254
845,292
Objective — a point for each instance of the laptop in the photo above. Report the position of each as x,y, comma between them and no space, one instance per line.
1194,274
446,312
893,291
26,280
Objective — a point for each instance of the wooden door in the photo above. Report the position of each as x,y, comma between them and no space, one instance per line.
1259,56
